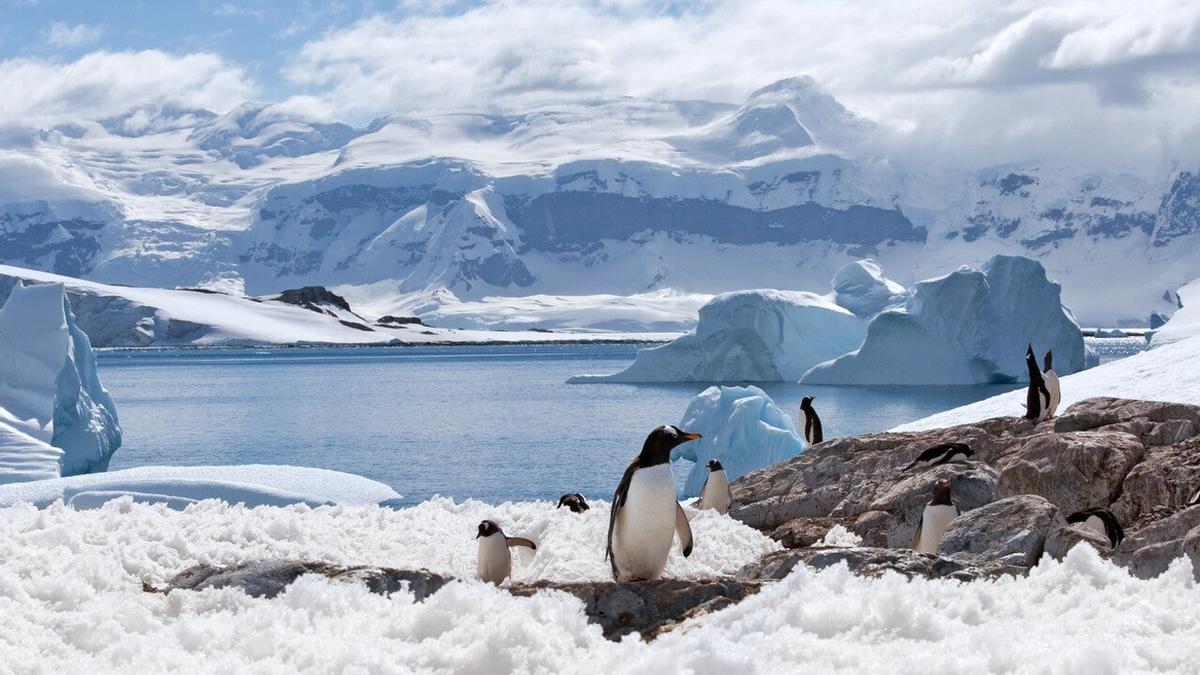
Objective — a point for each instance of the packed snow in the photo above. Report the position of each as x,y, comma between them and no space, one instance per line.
72,600
56,419
1185,323
749,336
740,426
1166,373
178,486
968,327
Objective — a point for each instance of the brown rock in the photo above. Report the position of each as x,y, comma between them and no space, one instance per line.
1074,470
1012,530
801,532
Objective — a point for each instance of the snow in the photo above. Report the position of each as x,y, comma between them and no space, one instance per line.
740,426
1166,373
55,416
749,336
72,600
968,327
1185,323
861,288
177,486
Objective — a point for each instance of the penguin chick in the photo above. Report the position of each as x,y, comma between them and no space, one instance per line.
493,562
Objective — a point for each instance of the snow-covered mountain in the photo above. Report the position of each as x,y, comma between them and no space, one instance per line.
610,197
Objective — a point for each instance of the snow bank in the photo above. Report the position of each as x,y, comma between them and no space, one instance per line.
1185,322
1167,373
178,486
86,611
861,288
56,419
749,336
968,327
740,426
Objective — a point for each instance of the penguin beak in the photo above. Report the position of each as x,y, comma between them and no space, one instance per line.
689,437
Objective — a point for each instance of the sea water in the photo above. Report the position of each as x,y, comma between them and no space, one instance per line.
495,423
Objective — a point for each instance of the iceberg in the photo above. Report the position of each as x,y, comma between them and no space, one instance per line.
740,426
1185,322
968,327
861,288
56,419
749,336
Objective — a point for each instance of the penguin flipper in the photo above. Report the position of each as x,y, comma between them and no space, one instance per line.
618,501
520,541
700,501
683,530
920,526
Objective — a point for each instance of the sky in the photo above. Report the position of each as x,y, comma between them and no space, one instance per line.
1088,79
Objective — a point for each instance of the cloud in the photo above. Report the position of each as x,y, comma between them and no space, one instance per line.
63,35
229,9
102,84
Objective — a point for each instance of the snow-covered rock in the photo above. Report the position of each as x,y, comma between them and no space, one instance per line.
740,426
861,288
749,336
56,419
968,327
1185,322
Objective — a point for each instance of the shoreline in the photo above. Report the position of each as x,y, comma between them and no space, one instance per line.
377,345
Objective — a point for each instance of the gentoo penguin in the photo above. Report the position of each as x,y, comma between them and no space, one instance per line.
494,563
715,494
1102,521
1037,398
934,519
1195,500
942,453
573,501
644,511
812,423
1052,385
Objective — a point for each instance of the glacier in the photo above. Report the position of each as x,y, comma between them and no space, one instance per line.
740,426
968,327
56,419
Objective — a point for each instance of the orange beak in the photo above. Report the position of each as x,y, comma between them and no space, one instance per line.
691,437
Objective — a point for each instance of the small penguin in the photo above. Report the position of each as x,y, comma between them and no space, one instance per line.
935,519
573,501
493,563
715,494
1195,500
1052,384
644,515
1037,398
1102,521
812,423
942,453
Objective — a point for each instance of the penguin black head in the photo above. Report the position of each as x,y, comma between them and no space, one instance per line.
573,501
1029,351
806,402
715,465
1048,360
657,448
941,492
487,528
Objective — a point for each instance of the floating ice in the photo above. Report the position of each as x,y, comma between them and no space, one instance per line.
861,288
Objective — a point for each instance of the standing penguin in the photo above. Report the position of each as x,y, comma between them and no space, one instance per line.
715,494
493,563
645,515
812,423
1102,521
573,501
1037,398
1052,385
934,519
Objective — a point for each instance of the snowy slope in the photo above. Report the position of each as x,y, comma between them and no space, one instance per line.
1185,323
1166,373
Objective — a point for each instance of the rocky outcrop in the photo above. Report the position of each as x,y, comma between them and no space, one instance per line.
1138,459
314,298
647,608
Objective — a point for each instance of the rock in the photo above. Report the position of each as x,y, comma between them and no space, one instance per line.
801,532
1149,550
1074,470
1191,546
269,578
1013,529
1065,536
313,298
972,485
872,561
1167,476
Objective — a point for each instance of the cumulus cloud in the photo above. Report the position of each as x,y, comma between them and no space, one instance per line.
102,83
63,35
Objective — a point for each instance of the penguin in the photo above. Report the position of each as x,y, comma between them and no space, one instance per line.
715,494
573,501
942,453
1037,398
1102,521
812,423
644,513
1195,500
934,519
493,563
1052,385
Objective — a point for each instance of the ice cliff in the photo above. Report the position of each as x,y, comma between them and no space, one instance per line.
968,327
56,419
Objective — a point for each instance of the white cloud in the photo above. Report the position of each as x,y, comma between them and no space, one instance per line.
63,35
229,9
101,84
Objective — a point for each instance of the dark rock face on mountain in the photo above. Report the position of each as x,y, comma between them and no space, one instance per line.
313,298
1138,459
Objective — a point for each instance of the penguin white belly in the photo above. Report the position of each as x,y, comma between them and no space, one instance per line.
645,526
494,563
716,492
934,521
1055,388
